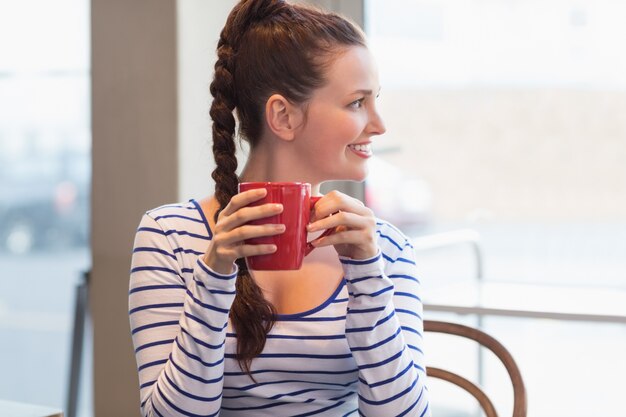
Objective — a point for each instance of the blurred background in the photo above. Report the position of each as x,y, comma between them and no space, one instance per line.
504,159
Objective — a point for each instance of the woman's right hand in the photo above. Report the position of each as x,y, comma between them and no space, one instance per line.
227,244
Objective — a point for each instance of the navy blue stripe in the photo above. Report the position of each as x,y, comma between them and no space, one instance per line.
197,358
387,381
153,268
360,262
288,381
168,206
374,294
216,275
407,294
157,343
284,371
195,252
313,319
299,392
295,355
187,270
167,216
212,291
350,412
147,249
147,384
286,317
204,323
149,364
354,281
375,345
341,397
205,305
392,398
415,348
192,376
341,300
172,231
200,342
149,306
410,312
206,223
383,362
187,394
393,242
294,337
398,260
365,310
409,277
371,328
156,287
419,397
180,410
392,227
298,337
322,410
152,325
410,329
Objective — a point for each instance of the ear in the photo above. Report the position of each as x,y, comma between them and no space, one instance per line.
282,117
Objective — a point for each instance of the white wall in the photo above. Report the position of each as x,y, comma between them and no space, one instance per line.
199,25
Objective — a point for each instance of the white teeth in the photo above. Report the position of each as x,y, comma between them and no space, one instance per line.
362,148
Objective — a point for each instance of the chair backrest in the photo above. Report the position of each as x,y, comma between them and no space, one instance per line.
519,391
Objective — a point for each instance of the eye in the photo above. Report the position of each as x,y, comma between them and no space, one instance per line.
358,103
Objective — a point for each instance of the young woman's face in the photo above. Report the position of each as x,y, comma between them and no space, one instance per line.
340,115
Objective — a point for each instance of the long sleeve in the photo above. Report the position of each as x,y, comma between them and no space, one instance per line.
384,330
178,321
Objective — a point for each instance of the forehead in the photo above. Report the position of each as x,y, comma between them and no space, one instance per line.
354,69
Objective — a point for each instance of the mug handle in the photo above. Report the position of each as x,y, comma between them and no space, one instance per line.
309,246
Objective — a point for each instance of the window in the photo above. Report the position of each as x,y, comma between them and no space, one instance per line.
506,118
44,187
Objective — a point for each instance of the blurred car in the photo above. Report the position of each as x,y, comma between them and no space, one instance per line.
43,216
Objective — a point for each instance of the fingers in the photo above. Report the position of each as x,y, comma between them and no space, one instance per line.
336,201
243,251
247,214
250,231
344,218
243,199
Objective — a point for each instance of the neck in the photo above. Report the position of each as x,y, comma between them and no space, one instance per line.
276,164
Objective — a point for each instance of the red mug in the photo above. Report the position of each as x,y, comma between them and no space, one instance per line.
291,245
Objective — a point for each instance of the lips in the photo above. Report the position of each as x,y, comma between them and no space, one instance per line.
364,150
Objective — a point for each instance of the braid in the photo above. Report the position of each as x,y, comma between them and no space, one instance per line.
265,47
252,316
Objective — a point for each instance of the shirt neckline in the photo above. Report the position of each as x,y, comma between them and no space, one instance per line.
280,317
204,219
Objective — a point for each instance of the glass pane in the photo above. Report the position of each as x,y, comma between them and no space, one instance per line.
45,180
505,128
552,357
506,118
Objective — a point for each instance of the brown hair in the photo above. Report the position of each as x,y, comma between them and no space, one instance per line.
266,47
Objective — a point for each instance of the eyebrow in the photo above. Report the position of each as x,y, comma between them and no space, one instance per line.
366,92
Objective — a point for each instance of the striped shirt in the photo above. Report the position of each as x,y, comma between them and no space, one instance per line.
357,354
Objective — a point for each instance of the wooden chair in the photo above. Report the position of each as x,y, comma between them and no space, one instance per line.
519,391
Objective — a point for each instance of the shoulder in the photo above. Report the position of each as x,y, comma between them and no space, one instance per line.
182,218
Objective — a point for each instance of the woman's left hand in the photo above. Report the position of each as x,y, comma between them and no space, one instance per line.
354,225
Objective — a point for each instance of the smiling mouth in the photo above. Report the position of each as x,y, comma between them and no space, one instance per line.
364,151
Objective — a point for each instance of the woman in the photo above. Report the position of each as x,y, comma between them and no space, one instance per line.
340,336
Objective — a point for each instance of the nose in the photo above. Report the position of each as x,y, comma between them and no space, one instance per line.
377,125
